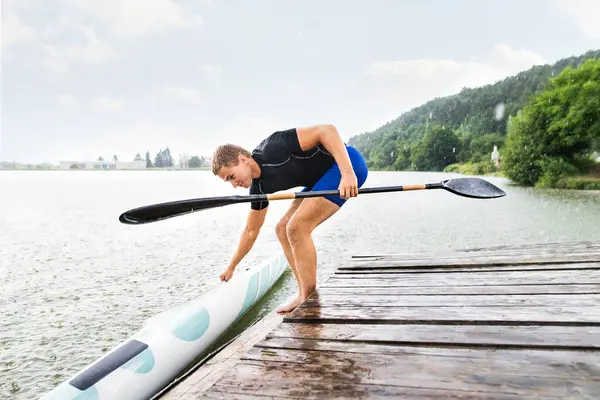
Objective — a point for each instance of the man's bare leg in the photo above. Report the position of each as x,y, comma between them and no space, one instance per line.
311,213
281,230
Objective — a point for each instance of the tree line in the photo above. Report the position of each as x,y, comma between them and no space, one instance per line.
544,121
164,159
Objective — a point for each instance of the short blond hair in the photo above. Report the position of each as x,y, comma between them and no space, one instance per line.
226,155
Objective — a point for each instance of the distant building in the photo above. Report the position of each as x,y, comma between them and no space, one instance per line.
102,165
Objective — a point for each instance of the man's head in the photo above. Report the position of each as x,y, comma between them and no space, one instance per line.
234,164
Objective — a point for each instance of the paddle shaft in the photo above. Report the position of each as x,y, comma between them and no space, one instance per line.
320,193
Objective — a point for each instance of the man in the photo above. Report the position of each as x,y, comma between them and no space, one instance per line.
314,157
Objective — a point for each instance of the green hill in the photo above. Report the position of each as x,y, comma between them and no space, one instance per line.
476,116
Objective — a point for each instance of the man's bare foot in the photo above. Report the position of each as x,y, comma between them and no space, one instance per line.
291,306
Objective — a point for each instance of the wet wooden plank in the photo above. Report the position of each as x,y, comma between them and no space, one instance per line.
543,246
454,315
454,335
399,300
474,269
547,251
517,356
432,365
524,373
252,381
216,394
440,279
206,375
497,274
532,248
391,262
526,248
471,290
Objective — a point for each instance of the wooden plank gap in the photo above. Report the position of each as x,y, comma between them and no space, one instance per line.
441,345
460,270
375,321
463,264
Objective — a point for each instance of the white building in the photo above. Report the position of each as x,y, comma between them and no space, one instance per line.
102,165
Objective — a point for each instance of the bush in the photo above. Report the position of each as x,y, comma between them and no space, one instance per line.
553,169
455,168
578,183
479,168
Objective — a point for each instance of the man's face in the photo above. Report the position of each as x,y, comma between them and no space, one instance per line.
237,175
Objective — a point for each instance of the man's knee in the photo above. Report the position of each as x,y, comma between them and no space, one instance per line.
295,228
281,228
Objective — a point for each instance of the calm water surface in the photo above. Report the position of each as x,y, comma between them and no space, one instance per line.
75,282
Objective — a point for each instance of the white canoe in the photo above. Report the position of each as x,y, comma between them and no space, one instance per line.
170,341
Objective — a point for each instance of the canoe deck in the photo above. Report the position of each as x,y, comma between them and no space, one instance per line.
509,322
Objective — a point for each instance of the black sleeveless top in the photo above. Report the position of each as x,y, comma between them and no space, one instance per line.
284,165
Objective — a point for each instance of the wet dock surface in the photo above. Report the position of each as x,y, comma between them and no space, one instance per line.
502,323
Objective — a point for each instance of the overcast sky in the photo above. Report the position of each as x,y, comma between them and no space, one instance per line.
84,78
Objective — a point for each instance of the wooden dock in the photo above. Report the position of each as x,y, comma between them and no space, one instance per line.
509,322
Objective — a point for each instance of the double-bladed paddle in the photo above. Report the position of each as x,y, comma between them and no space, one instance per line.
468,187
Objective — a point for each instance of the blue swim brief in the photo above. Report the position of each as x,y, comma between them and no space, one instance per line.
331,179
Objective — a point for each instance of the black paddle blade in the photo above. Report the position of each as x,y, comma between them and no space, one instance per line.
473,187
157,212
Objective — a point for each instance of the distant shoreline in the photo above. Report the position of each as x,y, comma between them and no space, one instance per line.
107,170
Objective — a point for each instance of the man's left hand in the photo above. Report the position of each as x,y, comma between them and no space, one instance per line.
348,185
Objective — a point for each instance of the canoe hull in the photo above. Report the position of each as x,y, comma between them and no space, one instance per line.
170,341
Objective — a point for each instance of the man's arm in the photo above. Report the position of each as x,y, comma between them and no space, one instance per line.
329,137
255,220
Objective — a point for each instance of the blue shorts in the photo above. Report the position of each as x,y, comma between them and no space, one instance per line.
331,179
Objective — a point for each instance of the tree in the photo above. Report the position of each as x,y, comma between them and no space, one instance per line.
148,160
439,148
163,159
403,159
168,158
159,160
195,162
520,156
137,157
553,136
481,147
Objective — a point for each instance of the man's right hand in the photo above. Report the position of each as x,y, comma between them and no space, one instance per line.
249,235
225,276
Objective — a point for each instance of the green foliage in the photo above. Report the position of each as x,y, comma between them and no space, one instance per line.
552,135
553,169
195,162
163,159
473,168
471,113
579,183
520,163
148,160
403,159
481,147
439,148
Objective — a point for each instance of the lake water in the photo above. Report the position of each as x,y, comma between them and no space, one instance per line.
76,282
